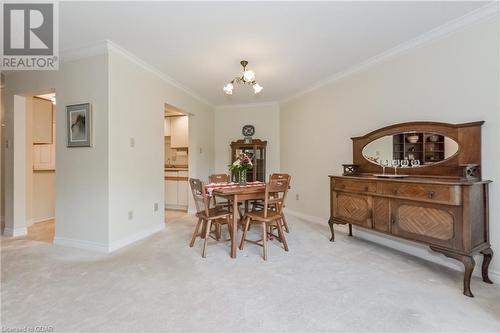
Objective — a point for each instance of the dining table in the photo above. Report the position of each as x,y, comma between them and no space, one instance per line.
237,193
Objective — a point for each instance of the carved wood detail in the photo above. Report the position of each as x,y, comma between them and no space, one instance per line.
431,222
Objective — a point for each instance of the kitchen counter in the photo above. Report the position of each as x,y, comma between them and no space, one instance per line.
176,168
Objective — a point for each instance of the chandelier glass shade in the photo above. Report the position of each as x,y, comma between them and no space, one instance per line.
248,77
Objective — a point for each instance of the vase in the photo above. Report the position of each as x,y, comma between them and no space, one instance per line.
242,177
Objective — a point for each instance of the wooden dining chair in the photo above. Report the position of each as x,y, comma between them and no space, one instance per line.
288,178
282,176
207,217
275,196
222,178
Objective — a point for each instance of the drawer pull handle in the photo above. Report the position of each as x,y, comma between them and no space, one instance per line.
366,188
342,186
430,194
395,192
393,220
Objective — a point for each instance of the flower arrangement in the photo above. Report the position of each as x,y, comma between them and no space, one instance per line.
242,163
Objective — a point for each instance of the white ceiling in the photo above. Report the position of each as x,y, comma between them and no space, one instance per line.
290,45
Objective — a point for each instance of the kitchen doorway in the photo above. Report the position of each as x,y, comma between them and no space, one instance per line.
176,133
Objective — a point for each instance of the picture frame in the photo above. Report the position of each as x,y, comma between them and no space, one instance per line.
79,125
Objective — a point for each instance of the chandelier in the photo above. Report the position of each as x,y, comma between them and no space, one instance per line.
248,77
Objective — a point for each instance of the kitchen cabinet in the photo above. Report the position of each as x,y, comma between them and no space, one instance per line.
166,126
42,121
179,132
170,188
44,157
182,189
176,189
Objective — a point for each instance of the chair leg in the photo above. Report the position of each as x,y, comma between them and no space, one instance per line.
282,235
285,224
229,224
264,240
207,233
195,233
217,231
246,226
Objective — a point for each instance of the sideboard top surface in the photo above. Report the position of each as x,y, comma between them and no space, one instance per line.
420,180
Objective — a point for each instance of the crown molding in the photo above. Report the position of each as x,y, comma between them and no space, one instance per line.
103,47
246,105
141,63
483,13
85,51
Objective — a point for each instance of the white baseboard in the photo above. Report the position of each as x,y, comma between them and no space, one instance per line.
414,249
15,232
192,211
136,237
43,219
29,222
108,248
81,244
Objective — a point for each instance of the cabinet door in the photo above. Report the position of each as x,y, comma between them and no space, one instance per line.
182,193
179,132
426,222
166,126
381,214
43,157
353,208
171,188
42,121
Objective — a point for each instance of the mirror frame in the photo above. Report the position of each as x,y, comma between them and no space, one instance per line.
467,136
421,165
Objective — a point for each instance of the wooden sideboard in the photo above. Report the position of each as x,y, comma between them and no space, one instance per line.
449,213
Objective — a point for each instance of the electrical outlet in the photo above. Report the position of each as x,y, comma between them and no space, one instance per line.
132,142
297,196
131,215
156,206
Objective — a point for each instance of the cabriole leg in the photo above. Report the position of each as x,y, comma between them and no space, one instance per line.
487,256
330,223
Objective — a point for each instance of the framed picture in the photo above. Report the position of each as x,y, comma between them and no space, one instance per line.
79,125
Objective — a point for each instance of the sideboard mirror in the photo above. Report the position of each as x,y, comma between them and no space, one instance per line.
424,148
437,149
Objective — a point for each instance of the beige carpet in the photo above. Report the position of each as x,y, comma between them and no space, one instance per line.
160,284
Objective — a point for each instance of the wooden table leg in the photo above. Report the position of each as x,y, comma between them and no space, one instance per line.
234,227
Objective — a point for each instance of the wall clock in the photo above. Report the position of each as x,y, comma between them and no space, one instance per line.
248,130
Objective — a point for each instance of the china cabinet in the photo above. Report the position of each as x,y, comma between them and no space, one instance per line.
256,149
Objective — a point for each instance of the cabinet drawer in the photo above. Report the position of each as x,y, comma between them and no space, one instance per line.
355,186
424,192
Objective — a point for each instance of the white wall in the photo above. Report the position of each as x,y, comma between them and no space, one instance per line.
136,175
455,79
82,175
228,123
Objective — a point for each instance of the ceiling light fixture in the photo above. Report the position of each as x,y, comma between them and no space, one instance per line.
248,77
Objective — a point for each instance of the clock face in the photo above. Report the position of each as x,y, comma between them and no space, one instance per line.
248,130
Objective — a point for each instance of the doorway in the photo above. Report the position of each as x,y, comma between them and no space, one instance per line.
43,166
176,133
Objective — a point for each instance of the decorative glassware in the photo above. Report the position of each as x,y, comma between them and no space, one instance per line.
384,164
242,177
415,163
405,163
395,164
